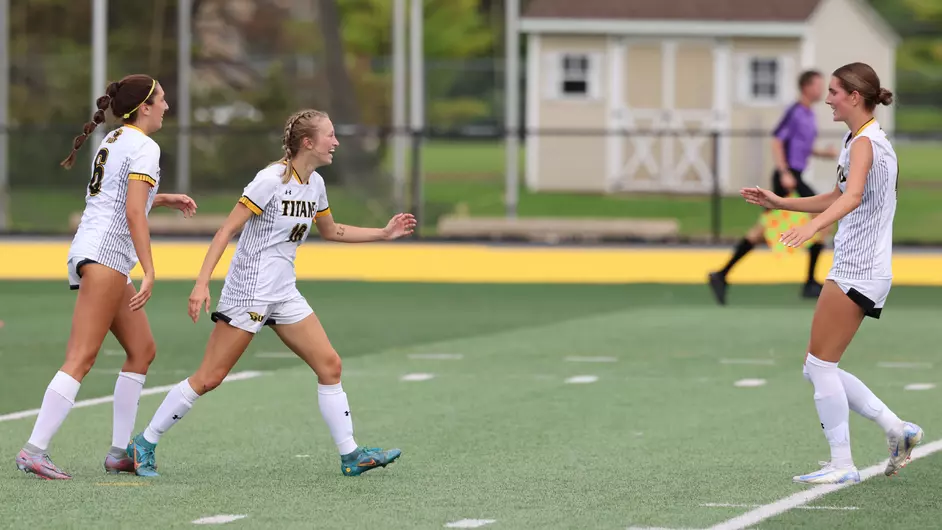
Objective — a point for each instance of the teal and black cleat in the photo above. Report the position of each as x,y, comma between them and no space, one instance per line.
365,459
142,452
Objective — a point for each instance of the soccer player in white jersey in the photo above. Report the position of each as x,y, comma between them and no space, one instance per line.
864,201
276,209
112,236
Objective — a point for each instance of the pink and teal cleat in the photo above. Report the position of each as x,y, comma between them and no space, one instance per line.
40,465
115,465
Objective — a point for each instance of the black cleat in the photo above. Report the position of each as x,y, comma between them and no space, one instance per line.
718,285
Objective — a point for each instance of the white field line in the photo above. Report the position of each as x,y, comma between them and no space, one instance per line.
578,359
791,502
801,499
919,386
219,519
582,379
734,505
470,523
238,376
417,377
747,383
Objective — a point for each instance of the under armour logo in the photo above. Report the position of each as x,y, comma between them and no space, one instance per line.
176,417
287,192
347,413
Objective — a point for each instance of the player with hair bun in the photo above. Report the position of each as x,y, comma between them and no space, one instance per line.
112,236
864,201
276,210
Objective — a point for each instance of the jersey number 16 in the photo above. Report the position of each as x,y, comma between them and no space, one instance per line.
98,172
297,233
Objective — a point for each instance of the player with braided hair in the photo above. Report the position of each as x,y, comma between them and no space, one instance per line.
112,236
276,209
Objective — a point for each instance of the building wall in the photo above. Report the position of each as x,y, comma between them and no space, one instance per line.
751,154
667,85
572,162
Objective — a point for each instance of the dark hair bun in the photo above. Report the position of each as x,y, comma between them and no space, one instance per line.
885,97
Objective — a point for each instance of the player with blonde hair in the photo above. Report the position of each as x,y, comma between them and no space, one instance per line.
864,201
112,236
276,209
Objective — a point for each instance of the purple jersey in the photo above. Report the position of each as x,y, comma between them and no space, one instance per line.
797,131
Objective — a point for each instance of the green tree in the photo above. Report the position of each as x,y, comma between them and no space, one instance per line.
453,30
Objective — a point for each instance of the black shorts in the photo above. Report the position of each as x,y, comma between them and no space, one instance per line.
801,187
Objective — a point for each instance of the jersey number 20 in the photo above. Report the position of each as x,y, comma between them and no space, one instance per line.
297,232
98,173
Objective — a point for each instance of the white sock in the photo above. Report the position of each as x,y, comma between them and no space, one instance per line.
58,401
332,401
833,409
178,402
864,402
127,396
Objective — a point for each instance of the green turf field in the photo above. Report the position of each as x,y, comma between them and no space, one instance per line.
662,438
467,177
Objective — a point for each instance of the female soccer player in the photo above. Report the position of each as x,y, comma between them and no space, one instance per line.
112,236
276,208
864,200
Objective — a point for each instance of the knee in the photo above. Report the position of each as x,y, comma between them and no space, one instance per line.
329,370
203,382
79,363
143,356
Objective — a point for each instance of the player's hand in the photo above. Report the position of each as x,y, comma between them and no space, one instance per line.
761,197
788,180
181,202
143,294
401,225
795,237
199,299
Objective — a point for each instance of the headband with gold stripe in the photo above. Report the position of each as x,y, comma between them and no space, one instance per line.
153,85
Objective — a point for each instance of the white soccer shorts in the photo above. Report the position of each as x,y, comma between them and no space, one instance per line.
252,318
74,266
870,295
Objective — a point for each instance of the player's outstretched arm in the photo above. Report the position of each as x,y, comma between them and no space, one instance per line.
176,201
768,199
813,204
199,297
401,225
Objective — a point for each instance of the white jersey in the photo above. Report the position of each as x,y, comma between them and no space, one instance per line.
863,245
103,235
262,269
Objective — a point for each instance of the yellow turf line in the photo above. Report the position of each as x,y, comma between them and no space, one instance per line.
479,263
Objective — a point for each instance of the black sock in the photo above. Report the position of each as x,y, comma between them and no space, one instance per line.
742,249
813,253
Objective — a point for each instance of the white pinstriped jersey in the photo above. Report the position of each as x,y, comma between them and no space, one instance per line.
103,235
863,245
262,269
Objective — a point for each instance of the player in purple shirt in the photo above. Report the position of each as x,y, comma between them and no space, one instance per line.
792,147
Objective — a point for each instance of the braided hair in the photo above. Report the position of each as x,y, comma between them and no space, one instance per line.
300,125
124,98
